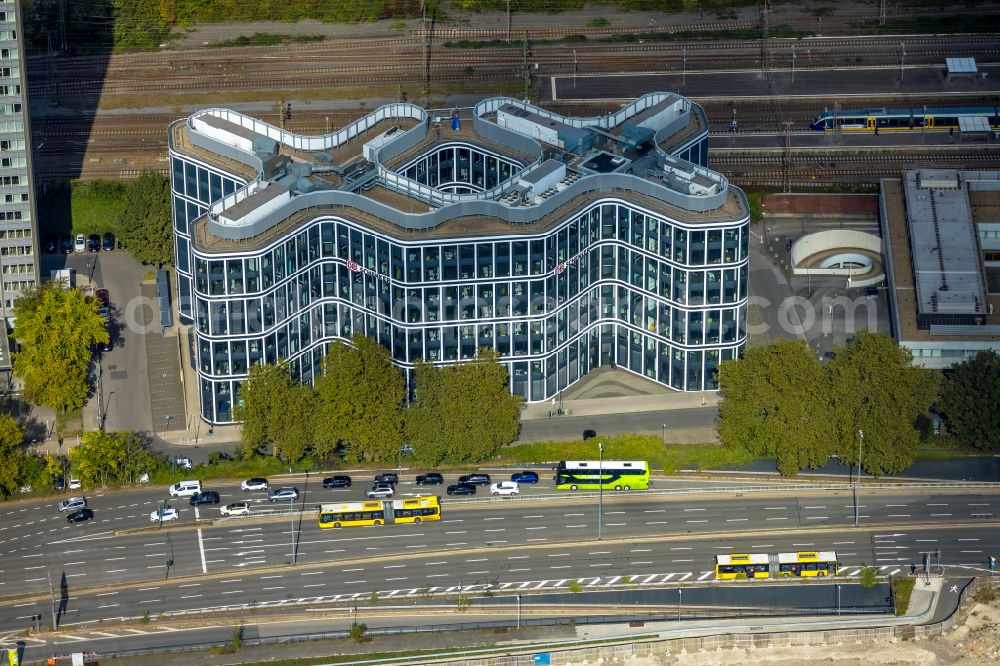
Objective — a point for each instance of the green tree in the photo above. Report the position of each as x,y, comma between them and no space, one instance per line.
775,403
463,412
104,458
276,412
360,400
12,458
969,398
145,219
868,576
57,329
875,388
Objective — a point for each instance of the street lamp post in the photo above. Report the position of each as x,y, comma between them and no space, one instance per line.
167,418
663,433
291,510
600,488
838,600
680,596
857,482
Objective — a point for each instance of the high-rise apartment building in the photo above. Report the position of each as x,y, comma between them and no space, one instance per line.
19,249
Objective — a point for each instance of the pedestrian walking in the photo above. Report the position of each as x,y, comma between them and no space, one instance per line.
913,569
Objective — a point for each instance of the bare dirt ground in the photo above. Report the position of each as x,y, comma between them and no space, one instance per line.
974,641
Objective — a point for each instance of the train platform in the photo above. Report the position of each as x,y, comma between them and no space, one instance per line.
916,80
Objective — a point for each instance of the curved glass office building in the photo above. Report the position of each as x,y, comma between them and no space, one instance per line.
563,243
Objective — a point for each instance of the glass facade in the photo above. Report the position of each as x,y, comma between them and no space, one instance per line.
194,186
614,285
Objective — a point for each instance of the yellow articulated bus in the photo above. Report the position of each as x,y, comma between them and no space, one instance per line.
380,512
806,564
742,565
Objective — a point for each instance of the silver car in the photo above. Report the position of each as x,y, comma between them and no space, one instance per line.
287,493
72,504
380,492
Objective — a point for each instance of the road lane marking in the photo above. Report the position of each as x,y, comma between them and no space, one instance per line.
201,547
705,575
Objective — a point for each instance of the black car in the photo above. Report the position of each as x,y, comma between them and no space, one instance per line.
105,347
66,244
109,242
462,489
205,497
589,434
93,243
476,479
80,515
430,479
339,481
388,478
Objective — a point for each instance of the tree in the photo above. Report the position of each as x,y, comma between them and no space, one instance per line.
969,398
875,388
276,411
360,400
868,576
57,329
145,219
104,458
12,459
775,403
463,412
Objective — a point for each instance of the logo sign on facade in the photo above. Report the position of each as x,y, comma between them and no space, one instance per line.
572,261
354,267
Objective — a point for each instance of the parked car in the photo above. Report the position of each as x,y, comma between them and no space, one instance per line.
94,243
526,476
256,483
389,478
236,509
72,504
165,515
80,244
105,347
66,244
109,242
475,479
183,462
204,497
505,488
589,434
59,482
380,492
338,481
287,493
462,489
103,297
430,479
104,312
79,516
871,293
75,483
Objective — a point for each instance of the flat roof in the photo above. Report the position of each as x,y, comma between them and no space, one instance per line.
944,244
961,65
973,125
229,126
544,170
254,201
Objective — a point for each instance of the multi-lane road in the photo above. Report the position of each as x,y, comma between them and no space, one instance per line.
116,565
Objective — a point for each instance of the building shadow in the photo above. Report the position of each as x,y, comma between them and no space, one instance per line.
68,47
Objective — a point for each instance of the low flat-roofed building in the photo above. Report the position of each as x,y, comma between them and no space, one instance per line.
944,287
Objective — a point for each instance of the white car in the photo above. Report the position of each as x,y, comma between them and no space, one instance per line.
72,504
74,483
183,462
236,509
166,515
80,245
256,483
505,488
380,492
